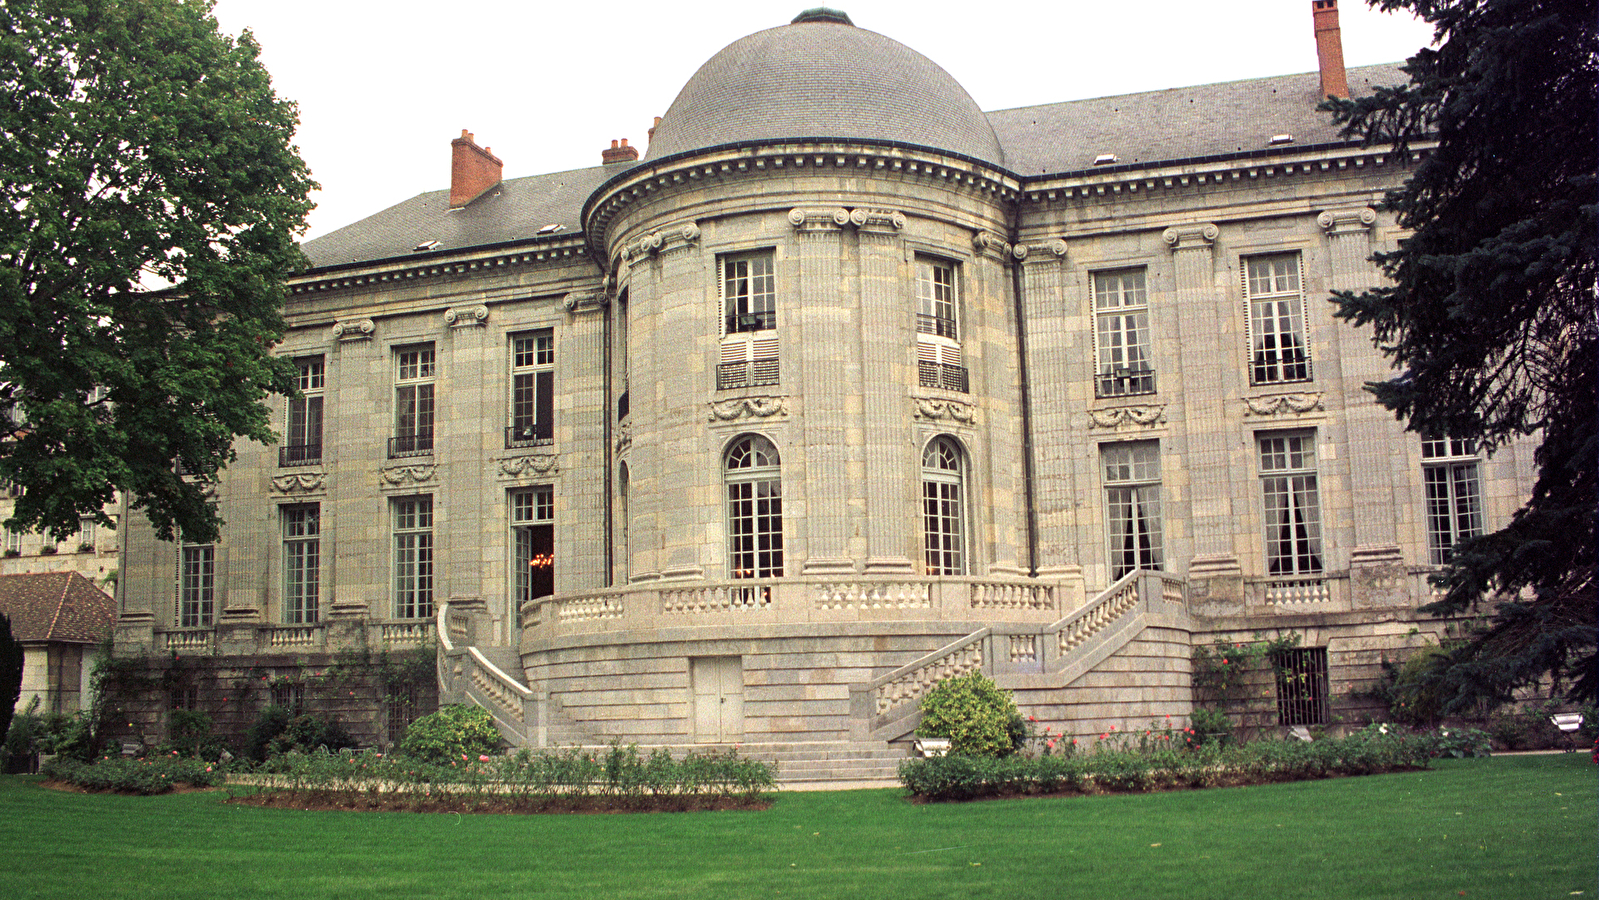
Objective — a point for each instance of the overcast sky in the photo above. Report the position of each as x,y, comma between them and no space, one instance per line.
383,87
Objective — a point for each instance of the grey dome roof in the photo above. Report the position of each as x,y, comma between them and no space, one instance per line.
823,79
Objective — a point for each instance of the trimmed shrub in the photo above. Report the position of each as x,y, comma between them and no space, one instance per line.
151,775
455,733
977,717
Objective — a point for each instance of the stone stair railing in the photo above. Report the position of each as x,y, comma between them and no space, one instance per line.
467,676
888,707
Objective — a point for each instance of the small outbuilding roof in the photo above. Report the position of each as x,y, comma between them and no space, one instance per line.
56,607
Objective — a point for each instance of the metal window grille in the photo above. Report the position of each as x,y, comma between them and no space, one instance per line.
1301,685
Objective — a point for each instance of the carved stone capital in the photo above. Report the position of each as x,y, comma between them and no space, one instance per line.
1048,251
577,302
466,316
353,330
887,220
990,243
1347,221
945,411
665,240
624,438
299,483
1191,237
1282,404
538,464
823,220
397,476
750,407
1118,416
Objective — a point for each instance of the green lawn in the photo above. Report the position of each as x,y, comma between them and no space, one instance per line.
1509,827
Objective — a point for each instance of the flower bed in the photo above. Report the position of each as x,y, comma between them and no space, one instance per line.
146,775
1149,765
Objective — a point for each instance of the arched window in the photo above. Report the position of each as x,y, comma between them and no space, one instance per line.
754,509
943,484
622,484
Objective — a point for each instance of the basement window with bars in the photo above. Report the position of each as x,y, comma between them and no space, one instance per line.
1301,685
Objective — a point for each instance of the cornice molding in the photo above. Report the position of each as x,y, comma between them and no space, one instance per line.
468,261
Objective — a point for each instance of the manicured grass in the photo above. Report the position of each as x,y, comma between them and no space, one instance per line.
1508,827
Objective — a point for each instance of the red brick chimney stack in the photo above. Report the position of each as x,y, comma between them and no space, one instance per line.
1330,48
615,153
473,170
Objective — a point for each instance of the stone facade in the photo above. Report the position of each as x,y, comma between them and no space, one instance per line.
757,437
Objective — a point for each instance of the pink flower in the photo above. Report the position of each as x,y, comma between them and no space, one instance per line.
482,758
1103,736
463,757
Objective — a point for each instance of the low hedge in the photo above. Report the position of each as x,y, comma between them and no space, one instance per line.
1120,769
146,775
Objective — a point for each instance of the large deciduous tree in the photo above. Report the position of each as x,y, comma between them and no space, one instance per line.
1490,315
150,197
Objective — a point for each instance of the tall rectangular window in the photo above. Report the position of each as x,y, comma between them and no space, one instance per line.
86,534
1277,345
302,563
1132,499
1293,510
749,321
1454,494
13,542
196,585
413,401
413,557
943,520
303,436
1121,334
939,363
533,543
532,389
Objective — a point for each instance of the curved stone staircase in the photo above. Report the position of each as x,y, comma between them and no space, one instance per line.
883,712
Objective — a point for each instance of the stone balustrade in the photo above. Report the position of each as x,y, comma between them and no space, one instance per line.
320,637
798,600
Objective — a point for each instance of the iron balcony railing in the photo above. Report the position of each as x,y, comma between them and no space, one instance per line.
1122,381
943,326
299,454
410,445
751,321
529,434
941,375
748,373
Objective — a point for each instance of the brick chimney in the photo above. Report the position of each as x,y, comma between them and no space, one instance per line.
473,170
1329,48
615,153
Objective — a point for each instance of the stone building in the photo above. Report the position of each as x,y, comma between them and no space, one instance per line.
845,386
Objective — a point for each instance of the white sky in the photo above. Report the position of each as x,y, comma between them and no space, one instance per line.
384,87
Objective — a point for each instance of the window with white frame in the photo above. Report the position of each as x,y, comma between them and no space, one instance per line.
1132,502
1292,507
754,508
86,534
413,557
939,362
302,563
414,371
1278,350
196,585
943,513
532,543
303,435
532,389
1454,494
1121,335
13,542
748,291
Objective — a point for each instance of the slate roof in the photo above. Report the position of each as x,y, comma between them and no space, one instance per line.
1177,123
56,607
823,80
1186,123
514,211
